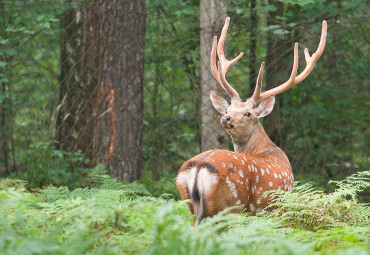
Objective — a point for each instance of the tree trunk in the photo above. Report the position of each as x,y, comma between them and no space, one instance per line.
276,68
253,47
79,79
122,72
212,18
101,90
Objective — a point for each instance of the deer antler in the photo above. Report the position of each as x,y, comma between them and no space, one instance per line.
223,63
293,80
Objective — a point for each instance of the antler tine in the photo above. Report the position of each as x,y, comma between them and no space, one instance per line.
310,63
213,61
257,90
288,84
223,64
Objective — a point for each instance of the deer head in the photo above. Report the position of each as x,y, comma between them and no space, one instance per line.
240,119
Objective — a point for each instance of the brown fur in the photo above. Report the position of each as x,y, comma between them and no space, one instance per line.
275,169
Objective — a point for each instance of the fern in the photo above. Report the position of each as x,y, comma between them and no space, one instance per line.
12,183
352,185
123,218
310,209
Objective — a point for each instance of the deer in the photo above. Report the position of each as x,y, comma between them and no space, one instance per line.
218,179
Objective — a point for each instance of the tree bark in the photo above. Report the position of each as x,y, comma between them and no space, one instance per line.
253,47
79,79
276,68
101,90
122,72
212,18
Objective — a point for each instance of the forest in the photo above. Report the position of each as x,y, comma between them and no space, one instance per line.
102,101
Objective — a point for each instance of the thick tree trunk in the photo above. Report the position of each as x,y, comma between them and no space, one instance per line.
212,18
101,91
122,71
79,79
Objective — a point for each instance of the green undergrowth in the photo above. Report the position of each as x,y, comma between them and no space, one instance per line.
111,217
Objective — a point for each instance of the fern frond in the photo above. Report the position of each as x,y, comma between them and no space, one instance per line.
12,183
311,209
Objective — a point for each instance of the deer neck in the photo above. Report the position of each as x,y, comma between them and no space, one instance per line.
257,142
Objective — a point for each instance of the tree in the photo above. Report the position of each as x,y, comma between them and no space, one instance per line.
253,44
277,69
101,88
212,18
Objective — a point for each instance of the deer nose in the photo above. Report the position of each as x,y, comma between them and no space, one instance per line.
225,119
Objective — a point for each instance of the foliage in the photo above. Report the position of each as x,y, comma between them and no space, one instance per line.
50,166
314,210
103,219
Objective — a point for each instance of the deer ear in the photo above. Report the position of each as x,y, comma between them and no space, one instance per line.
265,107
219,103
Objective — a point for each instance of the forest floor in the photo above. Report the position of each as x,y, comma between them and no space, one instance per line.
111,217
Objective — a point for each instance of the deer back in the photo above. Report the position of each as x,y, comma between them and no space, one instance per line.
217,179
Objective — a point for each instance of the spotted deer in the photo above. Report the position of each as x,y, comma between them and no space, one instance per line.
218,179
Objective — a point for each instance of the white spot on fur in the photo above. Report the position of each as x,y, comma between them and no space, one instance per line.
259,210
251,206
267,171
238,202
270,184
241,173
257,178
223,164
275,175
244,158
269,166
235,157
262,171
247,180
249,168
231,165
258,201
231,186
243,162
279,176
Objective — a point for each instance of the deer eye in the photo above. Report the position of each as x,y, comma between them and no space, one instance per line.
248,114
